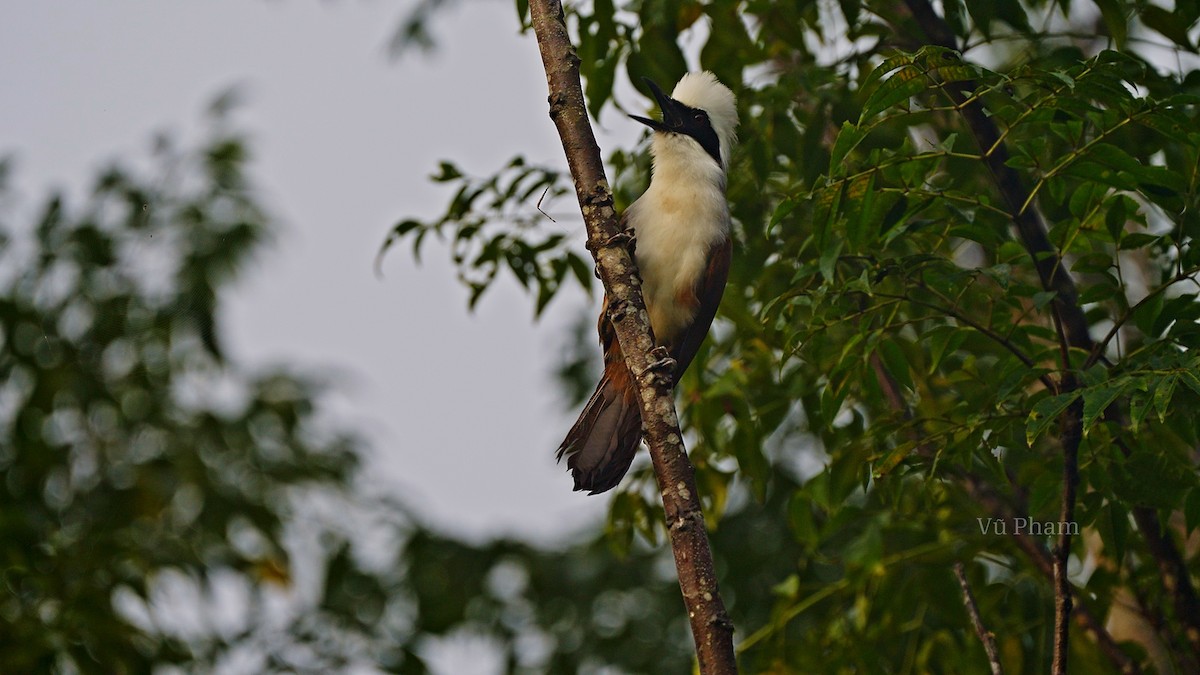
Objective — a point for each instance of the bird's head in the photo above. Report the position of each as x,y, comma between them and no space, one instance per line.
700,108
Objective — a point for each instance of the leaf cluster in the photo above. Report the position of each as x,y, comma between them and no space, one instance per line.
490,227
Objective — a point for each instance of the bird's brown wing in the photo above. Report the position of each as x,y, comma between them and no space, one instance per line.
706,297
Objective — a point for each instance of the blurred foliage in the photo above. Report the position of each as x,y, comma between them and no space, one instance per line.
132,453
886,351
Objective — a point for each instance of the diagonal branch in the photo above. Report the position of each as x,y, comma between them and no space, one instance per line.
985,636
711,628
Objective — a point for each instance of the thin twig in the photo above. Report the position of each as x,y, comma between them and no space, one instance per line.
1098,351
985,636
539,205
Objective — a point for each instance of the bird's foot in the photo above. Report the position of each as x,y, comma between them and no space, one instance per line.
662,364
626,238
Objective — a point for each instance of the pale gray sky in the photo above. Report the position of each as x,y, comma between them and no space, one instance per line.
460,409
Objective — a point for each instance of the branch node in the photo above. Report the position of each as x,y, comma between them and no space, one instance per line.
558,104
686,521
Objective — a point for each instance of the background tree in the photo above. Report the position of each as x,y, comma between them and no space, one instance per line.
967,284
142,472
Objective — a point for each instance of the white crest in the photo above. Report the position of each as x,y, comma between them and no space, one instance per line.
703,90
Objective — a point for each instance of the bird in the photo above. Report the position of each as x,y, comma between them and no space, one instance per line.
681,230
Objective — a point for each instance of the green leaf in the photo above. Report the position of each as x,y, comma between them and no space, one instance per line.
1114,17
826,202
1147,313
1114,530
1045,412
829,258
848,139
897,363
1097,399
1012,13
902,85
891,63
942,341
1164,389
893,458
860,198
782,211
1135,240
1139,406
1191,379
1153,477
447,172
867,548
1043,298
802,520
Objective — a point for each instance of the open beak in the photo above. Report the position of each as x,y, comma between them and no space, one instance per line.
672,110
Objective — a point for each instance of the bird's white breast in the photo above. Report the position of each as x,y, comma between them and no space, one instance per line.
678,221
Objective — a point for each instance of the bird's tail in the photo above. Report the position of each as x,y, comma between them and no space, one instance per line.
602,444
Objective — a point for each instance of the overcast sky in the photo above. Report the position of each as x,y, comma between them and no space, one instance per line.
461,410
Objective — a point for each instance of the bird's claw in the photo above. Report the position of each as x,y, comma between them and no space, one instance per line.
662,363
631,242
626,238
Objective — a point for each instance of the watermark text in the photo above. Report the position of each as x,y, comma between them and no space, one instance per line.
1027,526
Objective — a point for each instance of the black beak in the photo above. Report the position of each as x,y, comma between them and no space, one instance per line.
672,111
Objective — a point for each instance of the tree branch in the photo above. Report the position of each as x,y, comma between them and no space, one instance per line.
1072,434
985,636
711,628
